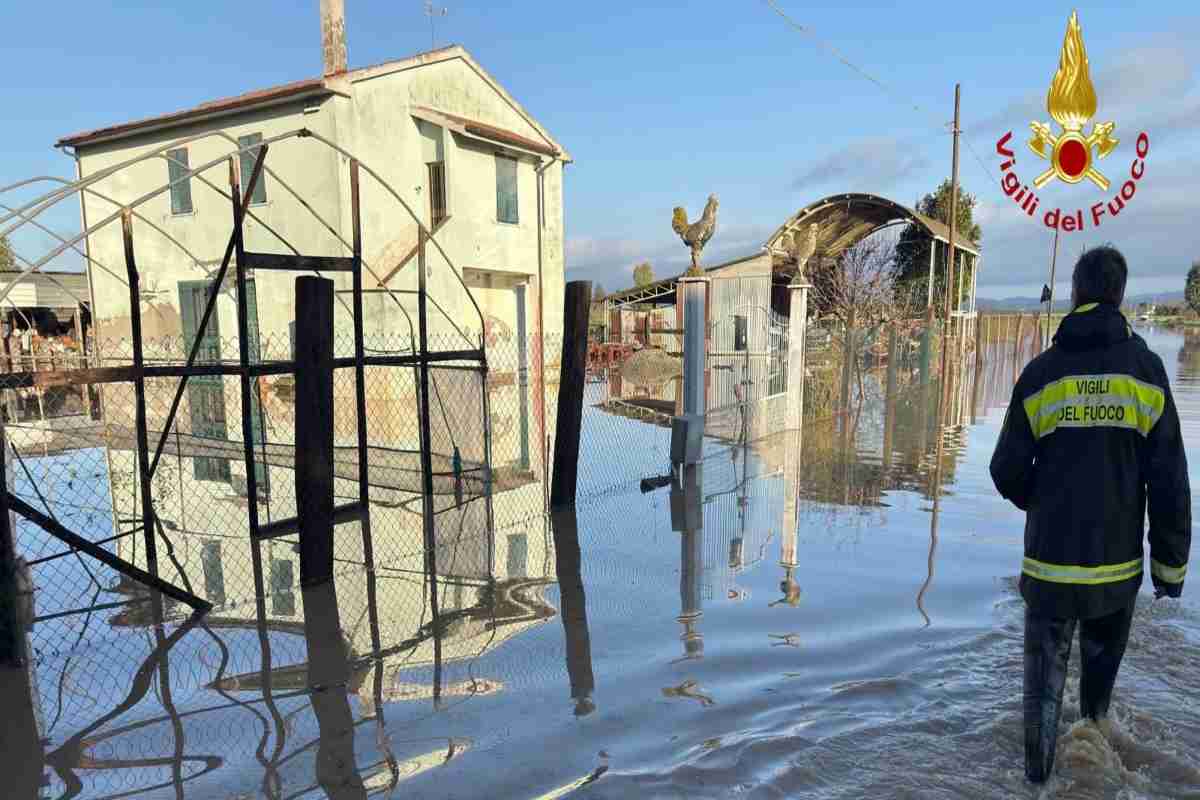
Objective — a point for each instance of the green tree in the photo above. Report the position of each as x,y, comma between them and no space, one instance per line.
1191,290
912,249
7,260
643,274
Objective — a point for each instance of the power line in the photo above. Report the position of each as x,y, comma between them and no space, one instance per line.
868,76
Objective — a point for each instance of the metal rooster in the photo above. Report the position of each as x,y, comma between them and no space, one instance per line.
697,234
801,247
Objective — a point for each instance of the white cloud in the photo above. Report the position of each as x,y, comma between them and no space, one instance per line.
872,163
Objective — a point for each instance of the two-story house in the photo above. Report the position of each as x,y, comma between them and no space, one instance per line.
450,146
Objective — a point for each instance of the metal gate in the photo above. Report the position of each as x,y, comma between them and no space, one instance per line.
746,371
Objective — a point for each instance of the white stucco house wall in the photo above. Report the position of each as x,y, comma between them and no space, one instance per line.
437,108
472,164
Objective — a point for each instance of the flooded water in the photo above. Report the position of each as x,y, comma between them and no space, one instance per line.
812,620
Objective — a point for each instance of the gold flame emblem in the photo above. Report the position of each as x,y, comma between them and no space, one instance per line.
1071,101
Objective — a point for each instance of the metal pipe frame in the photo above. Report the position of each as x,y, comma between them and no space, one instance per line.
360,397
139,370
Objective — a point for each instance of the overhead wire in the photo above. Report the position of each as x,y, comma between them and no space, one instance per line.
863,73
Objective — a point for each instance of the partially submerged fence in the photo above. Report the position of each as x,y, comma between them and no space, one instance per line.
180,476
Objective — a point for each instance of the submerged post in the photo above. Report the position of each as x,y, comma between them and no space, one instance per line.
568,559
314,427
889,398
797,328
687,430
978,369
12,626
570,393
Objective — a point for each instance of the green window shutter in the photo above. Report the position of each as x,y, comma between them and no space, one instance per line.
214,572
181,187
283,600
248,157
506,189
206,393
518,556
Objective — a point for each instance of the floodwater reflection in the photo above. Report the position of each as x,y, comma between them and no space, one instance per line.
840,596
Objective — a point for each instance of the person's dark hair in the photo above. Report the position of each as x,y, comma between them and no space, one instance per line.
1100,276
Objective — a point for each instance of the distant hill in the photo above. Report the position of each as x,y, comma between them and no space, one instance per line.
1064,303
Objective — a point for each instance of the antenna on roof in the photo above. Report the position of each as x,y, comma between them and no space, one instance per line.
432,12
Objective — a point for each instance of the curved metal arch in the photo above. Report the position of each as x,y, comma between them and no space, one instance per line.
39,205
844,219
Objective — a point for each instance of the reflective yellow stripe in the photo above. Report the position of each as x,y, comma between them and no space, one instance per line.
1081,401
1084,307
1167,574
1063,573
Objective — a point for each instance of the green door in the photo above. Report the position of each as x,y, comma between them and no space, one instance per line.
206,393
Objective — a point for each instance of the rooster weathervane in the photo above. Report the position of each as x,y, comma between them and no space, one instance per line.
697,234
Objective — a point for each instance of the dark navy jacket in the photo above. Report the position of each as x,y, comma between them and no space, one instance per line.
1090,440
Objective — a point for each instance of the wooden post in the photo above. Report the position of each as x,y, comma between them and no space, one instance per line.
12,633
978,370
20,740
889,399
314,426
328,670
570,393
847,359
573,610
1017,347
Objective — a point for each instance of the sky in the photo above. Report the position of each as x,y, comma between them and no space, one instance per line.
662,104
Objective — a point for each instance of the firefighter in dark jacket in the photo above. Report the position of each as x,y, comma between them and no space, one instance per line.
1091,441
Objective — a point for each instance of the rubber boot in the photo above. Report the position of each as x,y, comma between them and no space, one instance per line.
1101,648
1047,651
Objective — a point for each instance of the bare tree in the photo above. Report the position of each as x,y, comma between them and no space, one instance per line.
858,290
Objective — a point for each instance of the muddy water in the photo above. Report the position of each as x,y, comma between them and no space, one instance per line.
715,640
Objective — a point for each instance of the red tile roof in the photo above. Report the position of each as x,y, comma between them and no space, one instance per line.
312,86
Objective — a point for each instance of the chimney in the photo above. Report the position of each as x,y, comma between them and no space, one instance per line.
333,36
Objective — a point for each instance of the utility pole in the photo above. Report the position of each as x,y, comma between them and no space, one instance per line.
949,274
1050,301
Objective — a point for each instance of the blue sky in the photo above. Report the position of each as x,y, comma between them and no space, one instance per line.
663,103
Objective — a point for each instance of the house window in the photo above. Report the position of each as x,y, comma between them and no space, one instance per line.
437,193
518,555
214,572
248,157
506,189
181,187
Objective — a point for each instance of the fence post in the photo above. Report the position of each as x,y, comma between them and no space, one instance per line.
570,393
11,628
573,610
687,518
978,369
314,427
687,430
889,398
328,668
797,330
1017,347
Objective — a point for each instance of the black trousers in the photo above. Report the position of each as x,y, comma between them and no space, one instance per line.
1047,650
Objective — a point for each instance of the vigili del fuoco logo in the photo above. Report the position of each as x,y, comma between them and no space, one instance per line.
1072,154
